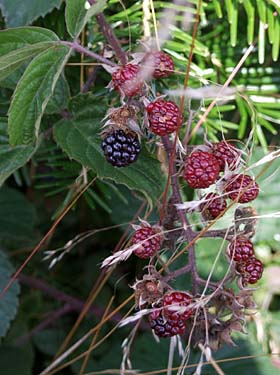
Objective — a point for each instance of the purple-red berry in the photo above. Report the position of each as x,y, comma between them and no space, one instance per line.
213,206
251,271
162,63
201,170
164,117
242,188
166,327
149,241
226,153
175,306
241,249
127,80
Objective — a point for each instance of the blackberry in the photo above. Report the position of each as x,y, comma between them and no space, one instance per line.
149,246
213,206
172,303
166,327
127,80
201,169
226,153
251,271
164,117
163,64
241,249
120,148
242,188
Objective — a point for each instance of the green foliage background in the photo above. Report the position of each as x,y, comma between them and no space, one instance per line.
43,152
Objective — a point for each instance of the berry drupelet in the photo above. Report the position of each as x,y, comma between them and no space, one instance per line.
164,117
121,148
201,170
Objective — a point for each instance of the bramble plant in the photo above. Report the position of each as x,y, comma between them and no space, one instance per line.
142,126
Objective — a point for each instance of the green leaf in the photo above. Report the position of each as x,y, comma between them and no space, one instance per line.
19,13
77,16
60,97
17,216
9,303
11,158
33,94
12,39
13,60
80,138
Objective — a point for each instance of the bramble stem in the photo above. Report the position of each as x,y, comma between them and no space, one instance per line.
109,34
79,48
176,194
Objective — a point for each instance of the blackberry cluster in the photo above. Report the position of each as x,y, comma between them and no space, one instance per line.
121,148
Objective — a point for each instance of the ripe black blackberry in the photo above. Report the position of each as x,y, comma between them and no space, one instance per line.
213,206
241,249
166,327
121,148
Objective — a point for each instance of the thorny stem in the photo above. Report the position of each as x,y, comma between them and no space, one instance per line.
182,213
79,48
109,34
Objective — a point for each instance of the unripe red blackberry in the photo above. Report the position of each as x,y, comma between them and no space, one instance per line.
166,327
162,63
149,241
242,188
241,249
213,206
173,302
164,117
251,271
127,80
120,148
201,169
226,153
